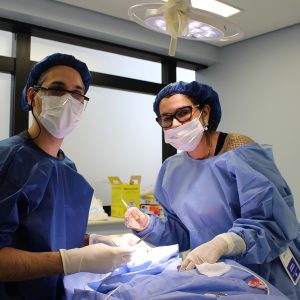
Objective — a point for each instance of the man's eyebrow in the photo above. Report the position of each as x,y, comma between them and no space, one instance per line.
60,83
57,83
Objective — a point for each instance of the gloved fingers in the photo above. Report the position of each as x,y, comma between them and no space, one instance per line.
198,260
128,239
115,240
133,212
135,219
109,240
142,246
126,257
132,217
125,253
187,265
132,224
124,250
190,266
192,260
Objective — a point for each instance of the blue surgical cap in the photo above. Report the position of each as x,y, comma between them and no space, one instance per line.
201,93
49,62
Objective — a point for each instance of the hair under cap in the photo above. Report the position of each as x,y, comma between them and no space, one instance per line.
50,61
201,93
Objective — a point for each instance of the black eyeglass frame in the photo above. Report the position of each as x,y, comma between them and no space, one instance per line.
173,116
58,89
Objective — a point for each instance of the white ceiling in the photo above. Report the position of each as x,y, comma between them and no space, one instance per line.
257,16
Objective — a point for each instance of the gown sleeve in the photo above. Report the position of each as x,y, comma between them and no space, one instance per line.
9,212
17,192
169,230
267,222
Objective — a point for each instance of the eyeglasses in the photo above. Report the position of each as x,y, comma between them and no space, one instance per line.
61,92
182,114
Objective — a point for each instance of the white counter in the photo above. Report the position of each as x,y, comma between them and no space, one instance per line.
111,226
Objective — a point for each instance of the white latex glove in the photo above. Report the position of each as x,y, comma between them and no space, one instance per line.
208,252
116,240
227,244
97,258
135,219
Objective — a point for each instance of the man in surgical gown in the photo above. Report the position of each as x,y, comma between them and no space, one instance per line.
44,201
222,195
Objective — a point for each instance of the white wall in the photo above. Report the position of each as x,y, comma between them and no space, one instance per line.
258,84
117,136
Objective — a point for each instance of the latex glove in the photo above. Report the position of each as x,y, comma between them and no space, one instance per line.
116,240
135,219
208,252
226,244
97,258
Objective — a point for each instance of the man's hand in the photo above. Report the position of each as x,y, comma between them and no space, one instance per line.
97,258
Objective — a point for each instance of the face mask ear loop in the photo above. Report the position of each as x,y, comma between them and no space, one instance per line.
208,138
35,93
38,125
205,127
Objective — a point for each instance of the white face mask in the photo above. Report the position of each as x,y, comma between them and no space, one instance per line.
60,114
185,137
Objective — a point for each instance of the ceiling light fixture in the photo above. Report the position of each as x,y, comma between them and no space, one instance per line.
178,18
215,6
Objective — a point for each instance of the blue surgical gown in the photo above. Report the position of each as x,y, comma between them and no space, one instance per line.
240,191
44,205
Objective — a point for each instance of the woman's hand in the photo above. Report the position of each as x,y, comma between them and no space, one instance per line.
136,220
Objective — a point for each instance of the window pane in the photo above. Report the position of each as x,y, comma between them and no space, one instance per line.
6,43
5,87
185,74
99,61
117,136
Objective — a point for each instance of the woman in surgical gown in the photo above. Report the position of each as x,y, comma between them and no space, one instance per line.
222,194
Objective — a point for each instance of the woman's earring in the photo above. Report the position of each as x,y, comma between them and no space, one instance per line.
206,125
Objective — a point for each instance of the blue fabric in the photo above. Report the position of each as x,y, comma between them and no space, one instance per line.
50,61
144,260
44,205
239,191
201,93
165,282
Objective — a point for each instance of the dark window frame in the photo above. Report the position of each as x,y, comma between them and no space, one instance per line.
19,65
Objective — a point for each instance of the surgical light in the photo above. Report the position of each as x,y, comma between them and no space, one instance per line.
179,19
